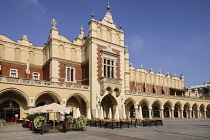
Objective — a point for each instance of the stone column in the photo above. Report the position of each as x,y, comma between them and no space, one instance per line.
204,115
190,111
181,112
172,112
162,112
198,113
150,111
136,112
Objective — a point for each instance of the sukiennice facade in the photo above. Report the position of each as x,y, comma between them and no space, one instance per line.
90,72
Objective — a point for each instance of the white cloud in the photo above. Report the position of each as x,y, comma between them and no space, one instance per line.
35,3
136,42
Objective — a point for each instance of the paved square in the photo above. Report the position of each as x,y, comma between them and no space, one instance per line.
173,129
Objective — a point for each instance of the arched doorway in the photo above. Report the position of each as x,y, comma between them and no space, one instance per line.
145,112
194,111
167,109
13,102
202,111
76,102
144,103
176,114
156,109
156,112
166,112
186,112
132,112
107,103
8,110
177,110
130,108
208,111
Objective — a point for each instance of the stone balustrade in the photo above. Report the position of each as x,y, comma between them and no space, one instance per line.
32,82
165,96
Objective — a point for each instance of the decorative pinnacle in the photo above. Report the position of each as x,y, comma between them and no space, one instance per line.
141,66
92,15
120,26
107,7
81,28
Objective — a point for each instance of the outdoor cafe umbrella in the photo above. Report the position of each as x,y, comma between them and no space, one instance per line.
51,108
101,113
140,113
116,116
110,113
123,115
89,114
96,113
77,113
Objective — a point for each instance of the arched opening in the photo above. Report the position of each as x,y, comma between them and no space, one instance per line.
186,113
156,112
145,112
47,98
177,110
176,114
76,102
156,109
166,112
8,110
132,112
167,109
208,111
202,111
129,108
108,102
12,103
194,111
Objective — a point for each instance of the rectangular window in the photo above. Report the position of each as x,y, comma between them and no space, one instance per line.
109,68
36,76
13,73
70,74
138,89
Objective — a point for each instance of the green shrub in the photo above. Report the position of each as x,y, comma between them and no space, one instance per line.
81,121
38,122
2,122
32,117
69,119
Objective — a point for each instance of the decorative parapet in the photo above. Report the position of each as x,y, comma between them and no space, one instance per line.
164,96
21,81
111,80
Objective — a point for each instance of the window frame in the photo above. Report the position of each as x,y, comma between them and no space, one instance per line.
16,73
109,69
38,76
70,75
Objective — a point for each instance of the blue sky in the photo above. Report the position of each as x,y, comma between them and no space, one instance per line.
171,35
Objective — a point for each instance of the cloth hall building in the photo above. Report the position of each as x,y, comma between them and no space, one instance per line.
90,72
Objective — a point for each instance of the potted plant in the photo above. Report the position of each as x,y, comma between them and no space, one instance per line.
2,122
81,122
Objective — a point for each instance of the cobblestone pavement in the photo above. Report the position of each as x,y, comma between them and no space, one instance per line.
173,129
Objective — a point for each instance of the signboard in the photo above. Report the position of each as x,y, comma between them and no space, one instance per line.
49,110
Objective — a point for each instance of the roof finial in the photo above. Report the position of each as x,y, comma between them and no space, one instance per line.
120,26
107,7
81,28
141,66
54,23
92,15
